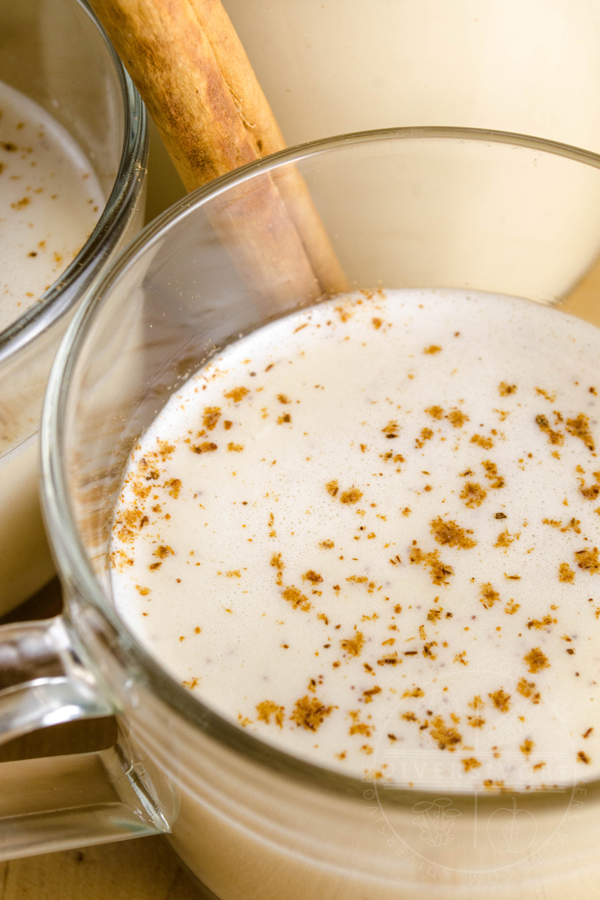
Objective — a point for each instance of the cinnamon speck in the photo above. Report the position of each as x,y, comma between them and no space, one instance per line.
354,645
451,534
473,494
501,700
237,394
268,708
310,713
536,660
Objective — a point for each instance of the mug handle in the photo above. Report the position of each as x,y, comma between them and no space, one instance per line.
62,802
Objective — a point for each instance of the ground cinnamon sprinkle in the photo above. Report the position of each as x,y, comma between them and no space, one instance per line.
351,496
550,397
414,692
353,645
446,736
452,534
332,488
277,563
528,689
554,437
204,447
297,599
268,708
457,418
440,572
211,416
313,577
501,700
310,713
426,435
436,412
173,486
237,394
541,623
391,429
473,494
566,573
485,442
505,539
368,695
488,595
536,660
476,721
591,492
361,728
588,560
580,428
491,473
163,551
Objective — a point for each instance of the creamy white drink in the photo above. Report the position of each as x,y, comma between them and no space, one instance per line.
368,533
338,66
50,201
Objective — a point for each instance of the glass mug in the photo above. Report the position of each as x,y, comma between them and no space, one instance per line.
337,66
403,208
55,52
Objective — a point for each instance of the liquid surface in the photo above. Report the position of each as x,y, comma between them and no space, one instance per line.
368,533
50,201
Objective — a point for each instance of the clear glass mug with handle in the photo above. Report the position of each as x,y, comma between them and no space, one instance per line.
56,53
404,208
338,66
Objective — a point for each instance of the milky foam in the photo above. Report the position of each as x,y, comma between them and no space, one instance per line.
50,201
368,534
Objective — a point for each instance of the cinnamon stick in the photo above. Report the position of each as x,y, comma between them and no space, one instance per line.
191,70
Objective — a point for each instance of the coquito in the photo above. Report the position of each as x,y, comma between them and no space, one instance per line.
368,534
50,201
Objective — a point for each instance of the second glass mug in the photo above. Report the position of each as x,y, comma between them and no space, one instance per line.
56,54
403,208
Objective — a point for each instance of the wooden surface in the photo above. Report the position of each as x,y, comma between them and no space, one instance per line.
143,869
146,868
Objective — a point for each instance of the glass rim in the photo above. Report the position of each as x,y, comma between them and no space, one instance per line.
60,296
70,554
